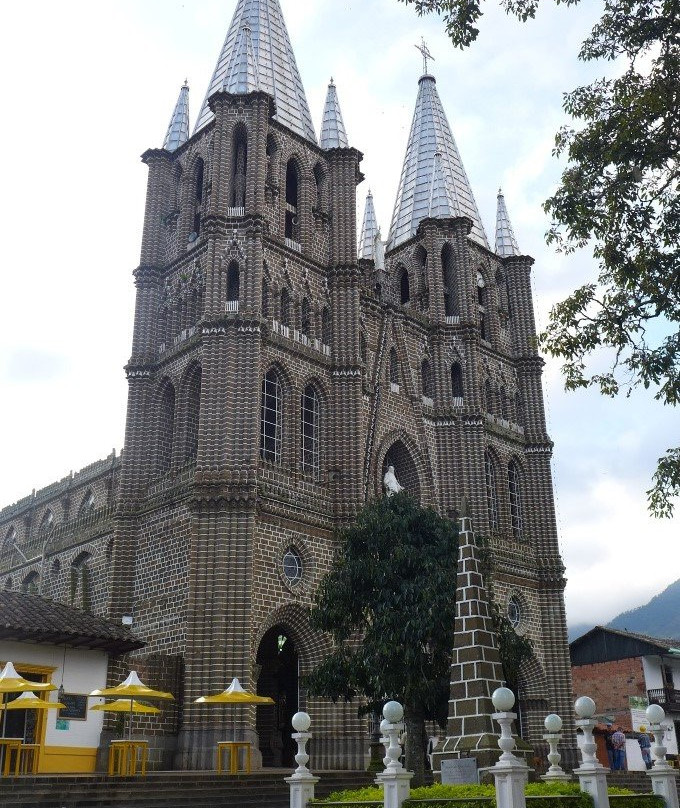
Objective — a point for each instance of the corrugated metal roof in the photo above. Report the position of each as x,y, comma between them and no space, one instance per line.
431,134
178,129
276,67
333,134
506,243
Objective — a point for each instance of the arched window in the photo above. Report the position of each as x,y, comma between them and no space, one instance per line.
394,367
404,289
239,167
233,286
31,584
306,318
449,281
265,298
456,380
166,426
270,419
192,398
285,307
198,189
326,326
488,397
292,202
80,581
481,306
47,522
426,379
319,182
87,504
519,409
491,490
309,430
515,498
503,295
503,397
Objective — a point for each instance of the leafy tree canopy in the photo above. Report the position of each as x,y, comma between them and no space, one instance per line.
618,194
393,584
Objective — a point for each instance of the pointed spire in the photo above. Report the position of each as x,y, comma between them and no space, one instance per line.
333,134
431,133
506,243
242,76
440,206
369,230
178,129
274,60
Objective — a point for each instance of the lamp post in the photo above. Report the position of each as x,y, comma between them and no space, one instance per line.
302,781
663,777
592,775
510,773
395,780
553,725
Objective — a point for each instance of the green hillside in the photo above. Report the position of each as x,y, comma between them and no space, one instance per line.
658,618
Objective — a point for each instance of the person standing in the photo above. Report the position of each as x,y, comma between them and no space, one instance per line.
619,744
609,731
645,747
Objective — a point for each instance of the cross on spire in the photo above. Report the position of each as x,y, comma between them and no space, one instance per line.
425,51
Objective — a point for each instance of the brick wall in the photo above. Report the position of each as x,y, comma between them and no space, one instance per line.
610,684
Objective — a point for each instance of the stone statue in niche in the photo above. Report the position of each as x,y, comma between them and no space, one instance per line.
390,482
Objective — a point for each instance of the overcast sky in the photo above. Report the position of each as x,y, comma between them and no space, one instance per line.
88,86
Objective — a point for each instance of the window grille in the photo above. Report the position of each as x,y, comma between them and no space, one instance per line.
394,367
310,414
515,495
514,612
491,491
292,565
270,434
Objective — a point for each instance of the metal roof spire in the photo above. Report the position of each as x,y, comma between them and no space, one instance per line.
333,134
440,206
178,128
506,243
276,67
369,230
431,134
242,76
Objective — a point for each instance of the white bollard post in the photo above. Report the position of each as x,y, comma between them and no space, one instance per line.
395,780
302,781
663,777
553,725
592,775
510,773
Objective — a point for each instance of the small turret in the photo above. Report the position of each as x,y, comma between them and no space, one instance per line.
440,206
369,230
506,243
333,134
178,129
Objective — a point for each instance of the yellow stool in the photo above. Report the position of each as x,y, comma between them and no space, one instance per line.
233,747
123,758
29,756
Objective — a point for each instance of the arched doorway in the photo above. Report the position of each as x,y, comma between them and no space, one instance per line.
279,676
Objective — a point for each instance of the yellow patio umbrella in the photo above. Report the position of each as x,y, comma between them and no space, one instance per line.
11,682
29,701
131,687
235,694
125,706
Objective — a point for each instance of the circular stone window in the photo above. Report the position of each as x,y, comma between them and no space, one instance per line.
292,565
514,612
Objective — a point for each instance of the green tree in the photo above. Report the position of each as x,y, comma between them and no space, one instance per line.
619,195
389,602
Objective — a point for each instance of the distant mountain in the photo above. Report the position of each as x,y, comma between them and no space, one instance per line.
658,618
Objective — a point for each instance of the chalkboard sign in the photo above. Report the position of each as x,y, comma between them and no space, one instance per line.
76,707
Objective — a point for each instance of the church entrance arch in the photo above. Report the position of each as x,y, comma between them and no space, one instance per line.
278,660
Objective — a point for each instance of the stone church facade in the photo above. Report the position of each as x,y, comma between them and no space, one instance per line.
277,370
